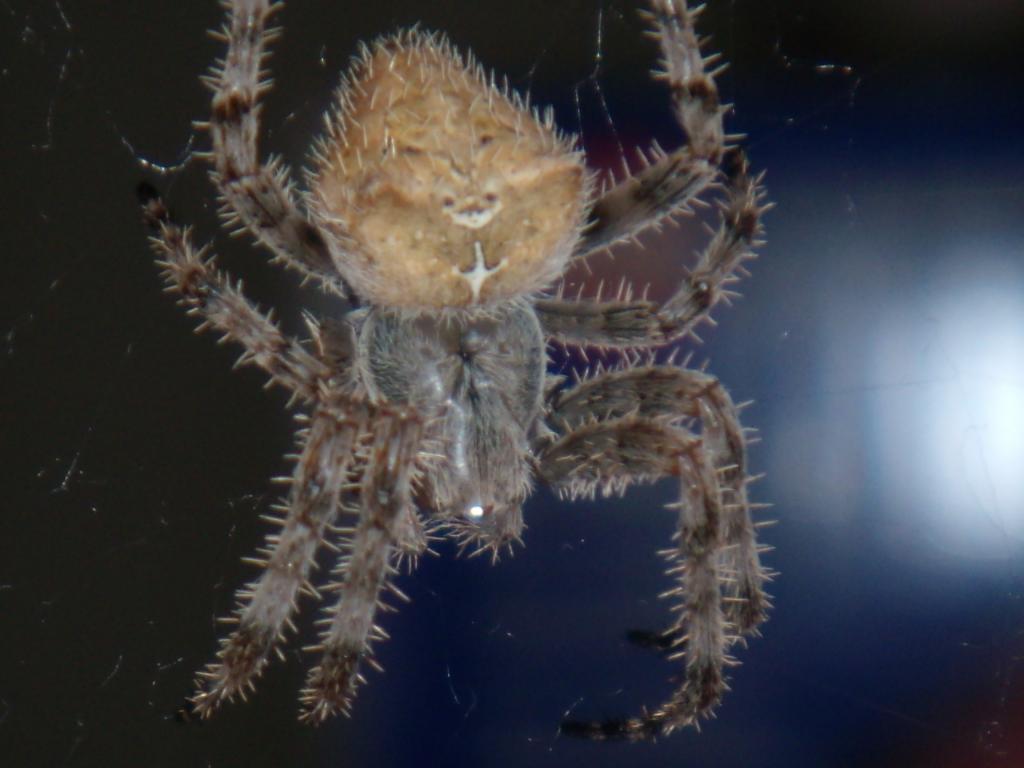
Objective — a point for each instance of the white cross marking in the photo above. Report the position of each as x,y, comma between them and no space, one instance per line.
476,276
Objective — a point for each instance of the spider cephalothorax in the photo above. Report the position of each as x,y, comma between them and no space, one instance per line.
440,208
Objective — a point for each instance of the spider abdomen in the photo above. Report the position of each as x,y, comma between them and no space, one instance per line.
440,189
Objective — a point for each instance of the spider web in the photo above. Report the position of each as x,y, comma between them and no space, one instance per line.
879,335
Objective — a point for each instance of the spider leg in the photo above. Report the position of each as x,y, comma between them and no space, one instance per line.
607,457
670,180
258,197
635,323
412,540
366,566
670,394
266,605
210,293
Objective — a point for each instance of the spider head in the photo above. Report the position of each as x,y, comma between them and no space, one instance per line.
486,527
440,189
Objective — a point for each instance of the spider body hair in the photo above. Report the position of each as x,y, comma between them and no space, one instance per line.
442,208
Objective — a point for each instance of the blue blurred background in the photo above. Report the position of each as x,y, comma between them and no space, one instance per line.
881,336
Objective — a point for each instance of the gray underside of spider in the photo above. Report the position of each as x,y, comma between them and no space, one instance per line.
426,405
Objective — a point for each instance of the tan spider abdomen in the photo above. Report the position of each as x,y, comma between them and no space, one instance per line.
440,189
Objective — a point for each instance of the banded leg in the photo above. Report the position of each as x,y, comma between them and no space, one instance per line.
630,323
608,457
670,180
411,540
210,294
258,197
365,568
668,394
266,605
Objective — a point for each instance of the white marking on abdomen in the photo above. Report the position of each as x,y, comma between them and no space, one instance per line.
476,276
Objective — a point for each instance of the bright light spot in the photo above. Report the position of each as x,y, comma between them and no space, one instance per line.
475,511
950,434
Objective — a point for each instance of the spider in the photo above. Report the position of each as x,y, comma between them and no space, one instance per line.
440,209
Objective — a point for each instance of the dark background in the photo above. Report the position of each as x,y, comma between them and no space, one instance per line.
882,336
